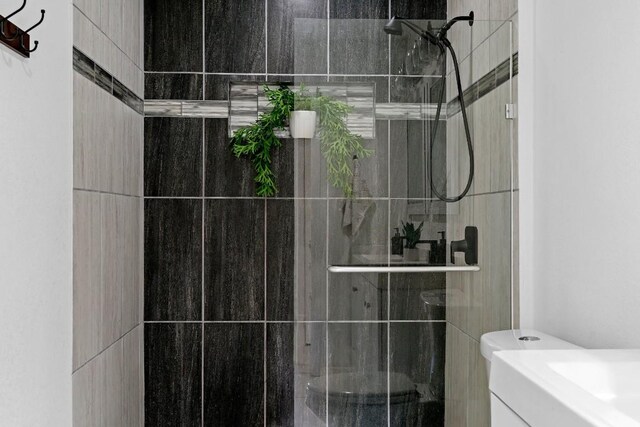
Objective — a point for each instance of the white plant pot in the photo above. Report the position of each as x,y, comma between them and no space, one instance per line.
411,254
302,124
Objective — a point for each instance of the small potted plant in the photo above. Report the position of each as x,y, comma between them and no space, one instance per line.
412,238
302,121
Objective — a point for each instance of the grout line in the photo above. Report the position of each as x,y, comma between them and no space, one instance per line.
264,348
389,232
428,76
326,326
297,322
107,193
105,349
266,43
328,40
203,193
202,279
298,198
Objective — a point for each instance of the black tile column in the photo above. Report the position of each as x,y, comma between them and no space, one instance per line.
173,373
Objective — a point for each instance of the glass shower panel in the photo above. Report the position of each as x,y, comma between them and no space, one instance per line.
389,349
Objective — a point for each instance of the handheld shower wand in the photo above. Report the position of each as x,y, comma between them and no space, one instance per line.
394,27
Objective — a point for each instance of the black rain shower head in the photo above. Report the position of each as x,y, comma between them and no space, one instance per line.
393,27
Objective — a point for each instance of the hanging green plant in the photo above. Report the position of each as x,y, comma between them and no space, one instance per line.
256,141
338,144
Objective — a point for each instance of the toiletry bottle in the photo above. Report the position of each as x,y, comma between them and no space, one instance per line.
397,243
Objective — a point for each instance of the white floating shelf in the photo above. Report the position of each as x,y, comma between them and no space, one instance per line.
403,269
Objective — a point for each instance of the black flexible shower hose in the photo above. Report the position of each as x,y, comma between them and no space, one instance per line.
463,108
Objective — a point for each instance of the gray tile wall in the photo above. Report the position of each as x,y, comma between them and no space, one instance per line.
482,302
107,307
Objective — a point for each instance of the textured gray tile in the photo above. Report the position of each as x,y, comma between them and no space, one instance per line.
234,259
293,27
310,260
406,292
133,381
172,86
173,259
281,235
88,393
113,266
234,378
458,351
417,350
113,409
173,35
86,276
358,9
173,374
280,374
173,157
360,351
432,9
358,46
225,175
234,26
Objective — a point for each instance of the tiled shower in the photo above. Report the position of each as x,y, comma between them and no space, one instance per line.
243,323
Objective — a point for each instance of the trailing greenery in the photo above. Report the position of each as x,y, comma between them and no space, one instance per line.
256,142
412,234
338,144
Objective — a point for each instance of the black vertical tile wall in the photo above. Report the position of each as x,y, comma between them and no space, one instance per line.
228,176
173,259
235,36
359,9
173,35
234,259
254,327
280,259
173,86
431,9
234,374
225,175
280,375
173,374
172,157
289,37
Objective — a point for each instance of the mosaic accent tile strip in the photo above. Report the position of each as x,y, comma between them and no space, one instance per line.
220,110
101,77
487,83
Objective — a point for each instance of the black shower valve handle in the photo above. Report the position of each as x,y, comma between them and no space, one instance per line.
469,246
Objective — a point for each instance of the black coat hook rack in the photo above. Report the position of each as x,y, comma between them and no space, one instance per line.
16,38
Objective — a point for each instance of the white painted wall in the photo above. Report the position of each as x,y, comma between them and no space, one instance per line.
580,170
36,222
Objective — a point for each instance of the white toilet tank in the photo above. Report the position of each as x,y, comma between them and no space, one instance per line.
519,339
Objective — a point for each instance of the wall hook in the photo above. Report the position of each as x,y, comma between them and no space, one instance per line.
6,18
35,46
35,43
38,23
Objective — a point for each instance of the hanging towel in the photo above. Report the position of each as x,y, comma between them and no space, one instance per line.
355,209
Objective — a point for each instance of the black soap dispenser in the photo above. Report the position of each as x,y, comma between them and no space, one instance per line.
397,243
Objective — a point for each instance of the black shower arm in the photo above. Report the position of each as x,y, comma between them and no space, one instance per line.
443,31
416,29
